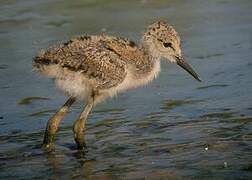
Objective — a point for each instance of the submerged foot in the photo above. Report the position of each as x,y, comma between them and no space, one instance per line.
80,140
78,130
48,141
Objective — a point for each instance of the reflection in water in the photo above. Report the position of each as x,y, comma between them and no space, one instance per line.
136,149
173,129
55,163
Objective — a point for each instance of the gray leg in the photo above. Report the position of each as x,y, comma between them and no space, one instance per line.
53,122
79,125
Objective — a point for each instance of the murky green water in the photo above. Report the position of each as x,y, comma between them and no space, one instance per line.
175,128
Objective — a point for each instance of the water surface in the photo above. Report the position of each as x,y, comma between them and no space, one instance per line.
174,128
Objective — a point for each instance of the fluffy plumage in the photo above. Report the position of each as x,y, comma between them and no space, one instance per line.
105,65
96,67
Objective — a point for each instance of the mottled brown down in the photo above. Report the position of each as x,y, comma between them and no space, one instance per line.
93,68
102,59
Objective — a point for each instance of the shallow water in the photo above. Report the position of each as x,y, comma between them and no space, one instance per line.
174,128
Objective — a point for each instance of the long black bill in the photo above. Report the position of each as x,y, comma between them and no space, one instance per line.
182,63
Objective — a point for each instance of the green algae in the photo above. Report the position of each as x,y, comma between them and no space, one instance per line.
221,115
247,137
58,23
213,86
170,104
112,110
42,112
29,100
242,120
210,56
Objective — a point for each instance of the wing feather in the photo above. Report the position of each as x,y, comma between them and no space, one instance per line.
89,56
102,59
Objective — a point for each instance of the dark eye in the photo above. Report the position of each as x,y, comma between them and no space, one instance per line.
167,44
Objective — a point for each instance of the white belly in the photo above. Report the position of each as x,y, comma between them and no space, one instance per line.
74,84
132,81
